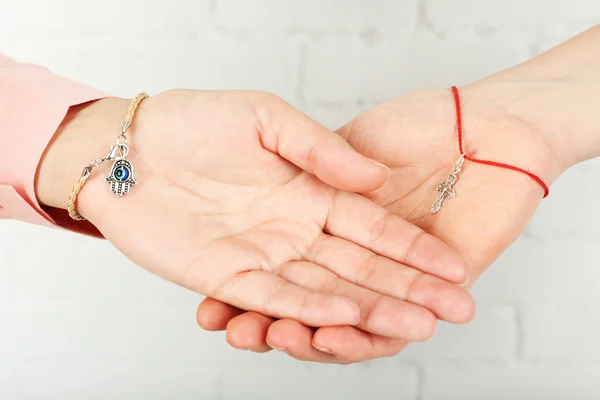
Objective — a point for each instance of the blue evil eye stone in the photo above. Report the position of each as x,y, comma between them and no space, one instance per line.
122,173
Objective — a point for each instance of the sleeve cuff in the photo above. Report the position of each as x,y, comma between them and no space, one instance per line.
33,104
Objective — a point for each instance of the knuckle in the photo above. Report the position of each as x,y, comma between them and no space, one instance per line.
303,308
379,227
412,286
311,158
273,295
368,310
330,285
411,249
366,271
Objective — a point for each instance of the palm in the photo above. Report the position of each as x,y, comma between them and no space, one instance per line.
233,219
415,136
228,189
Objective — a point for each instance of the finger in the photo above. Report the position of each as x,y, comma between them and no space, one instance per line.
364,268
309,145
382,315
214,315
296,340
354,345
363,222
248,331
272,295
339,345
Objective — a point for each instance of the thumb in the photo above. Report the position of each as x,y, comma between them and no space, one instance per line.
309,145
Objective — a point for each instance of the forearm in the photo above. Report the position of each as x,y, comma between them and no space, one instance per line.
557,94
33,103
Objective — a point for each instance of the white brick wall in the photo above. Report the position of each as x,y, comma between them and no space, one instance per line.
563,332
107,17
91,329
329,383
492,336
510,381
290,15
526,14
117,380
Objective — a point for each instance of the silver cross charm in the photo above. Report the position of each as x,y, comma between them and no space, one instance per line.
446,188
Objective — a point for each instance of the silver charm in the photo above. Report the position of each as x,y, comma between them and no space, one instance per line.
121,172
446,188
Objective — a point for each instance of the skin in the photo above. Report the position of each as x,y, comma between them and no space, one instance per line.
244,199
541,116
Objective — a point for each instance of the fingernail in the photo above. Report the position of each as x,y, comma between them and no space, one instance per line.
465,282
380,164
275,348
324,350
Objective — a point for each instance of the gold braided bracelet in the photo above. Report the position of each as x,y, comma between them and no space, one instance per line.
121,172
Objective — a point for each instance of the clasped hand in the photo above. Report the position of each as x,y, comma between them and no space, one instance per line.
245,200
301,239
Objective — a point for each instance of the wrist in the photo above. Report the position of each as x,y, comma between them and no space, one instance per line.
555,98
84,135
495,130
542,122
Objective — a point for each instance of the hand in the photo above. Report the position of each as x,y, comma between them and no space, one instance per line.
415,136
233,200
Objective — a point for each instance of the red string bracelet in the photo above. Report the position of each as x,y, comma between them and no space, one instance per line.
446,188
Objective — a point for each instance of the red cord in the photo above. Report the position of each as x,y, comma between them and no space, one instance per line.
486,162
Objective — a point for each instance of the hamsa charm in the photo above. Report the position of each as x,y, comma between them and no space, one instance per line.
120,177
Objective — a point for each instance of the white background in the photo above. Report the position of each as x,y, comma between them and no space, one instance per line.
78,321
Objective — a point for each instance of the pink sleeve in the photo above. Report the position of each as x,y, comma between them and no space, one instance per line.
33,103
